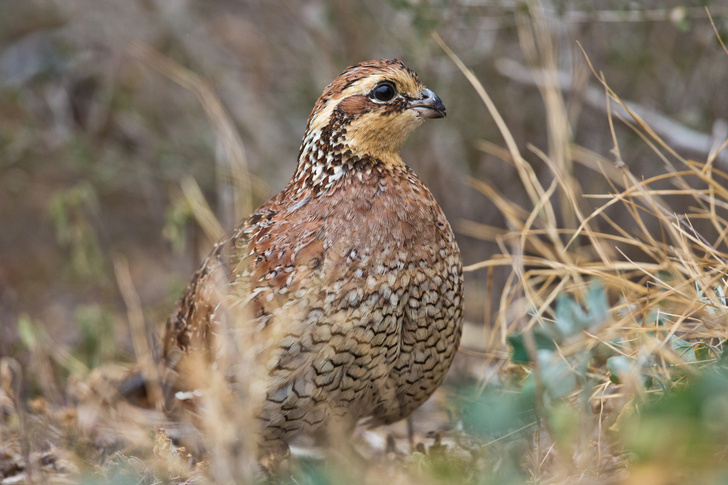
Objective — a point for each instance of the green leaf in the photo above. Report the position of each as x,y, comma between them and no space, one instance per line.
74,211
571,319
557,376
27,332
98,342
597,303
684,350
720,293
704,351
517,342
564,420
684,425
679,18
618,365
177,216
499,410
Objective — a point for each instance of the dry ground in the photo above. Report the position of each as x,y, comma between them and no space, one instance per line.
582,163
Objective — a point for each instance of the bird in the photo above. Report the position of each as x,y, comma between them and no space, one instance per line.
348,283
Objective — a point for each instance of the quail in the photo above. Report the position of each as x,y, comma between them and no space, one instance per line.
350,278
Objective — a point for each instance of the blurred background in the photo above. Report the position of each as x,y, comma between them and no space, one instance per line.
97,141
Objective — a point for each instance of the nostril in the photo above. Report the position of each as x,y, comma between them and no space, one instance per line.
428,105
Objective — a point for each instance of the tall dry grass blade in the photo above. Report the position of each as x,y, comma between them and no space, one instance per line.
645,127
478,230
516,217
495,150
234,187
135,317
537,45
714,153
715,29
570,196
201,210
530,181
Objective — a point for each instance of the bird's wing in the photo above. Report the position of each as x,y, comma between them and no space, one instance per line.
269,262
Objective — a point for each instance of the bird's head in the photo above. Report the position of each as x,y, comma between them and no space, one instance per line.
369,111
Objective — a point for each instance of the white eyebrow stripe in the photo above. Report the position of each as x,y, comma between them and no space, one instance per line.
362,86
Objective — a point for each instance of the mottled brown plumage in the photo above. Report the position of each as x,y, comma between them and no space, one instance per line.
351,277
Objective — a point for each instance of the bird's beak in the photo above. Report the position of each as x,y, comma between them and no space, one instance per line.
429,106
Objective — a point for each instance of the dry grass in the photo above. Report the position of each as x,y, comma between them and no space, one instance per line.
665,273
623,380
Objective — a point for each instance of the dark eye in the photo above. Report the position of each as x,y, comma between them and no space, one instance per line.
384,91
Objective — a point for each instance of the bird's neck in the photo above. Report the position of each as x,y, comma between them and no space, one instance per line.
328,156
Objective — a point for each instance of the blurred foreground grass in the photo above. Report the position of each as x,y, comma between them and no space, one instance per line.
604,361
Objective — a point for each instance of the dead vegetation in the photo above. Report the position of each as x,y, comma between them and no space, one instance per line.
605,317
